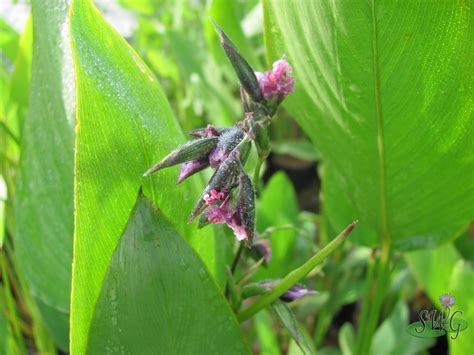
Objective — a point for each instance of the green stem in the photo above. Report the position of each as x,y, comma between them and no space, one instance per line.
296,275
256,172
377,282
233,267
235,262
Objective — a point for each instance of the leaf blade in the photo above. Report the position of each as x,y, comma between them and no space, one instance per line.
146,296
125,125
372,96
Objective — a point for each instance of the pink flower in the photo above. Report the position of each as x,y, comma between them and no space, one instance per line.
277,83
220,211
190,168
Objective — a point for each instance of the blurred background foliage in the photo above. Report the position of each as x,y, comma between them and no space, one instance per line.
178,43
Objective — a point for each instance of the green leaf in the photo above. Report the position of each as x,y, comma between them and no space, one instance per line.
297,332
19,90
145,305
43,209
346,339
267,337
124,126
300,149
8,40
392,119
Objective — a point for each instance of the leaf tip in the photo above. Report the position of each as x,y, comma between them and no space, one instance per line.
350,228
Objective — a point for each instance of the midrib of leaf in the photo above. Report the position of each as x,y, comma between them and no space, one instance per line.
379,128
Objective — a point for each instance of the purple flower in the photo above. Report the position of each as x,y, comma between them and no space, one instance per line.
191,167
277,83
447,300
228,140
295,293
221,211
292,294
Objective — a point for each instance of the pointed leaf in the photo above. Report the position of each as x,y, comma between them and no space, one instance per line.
145,306
124,126
43,209
289,320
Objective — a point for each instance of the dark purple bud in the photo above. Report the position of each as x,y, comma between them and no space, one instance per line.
244,218
224,178
228,140
191,167
261,249
296,292
292,294
193,150
243,70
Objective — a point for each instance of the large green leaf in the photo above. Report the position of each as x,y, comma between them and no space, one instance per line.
158,296
43,208
384,91
124,126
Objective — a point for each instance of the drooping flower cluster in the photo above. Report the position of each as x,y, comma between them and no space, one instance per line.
229,196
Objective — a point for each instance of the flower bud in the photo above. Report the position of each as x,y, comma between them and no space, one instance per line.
292,294
296,292
192,167
224,178
243,70
244,221
261,249
193,150
226,144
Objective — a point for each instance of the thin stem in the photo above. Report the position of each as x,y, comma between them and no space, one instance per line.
375,292
296,275
9,133
235,262
233,267
256,172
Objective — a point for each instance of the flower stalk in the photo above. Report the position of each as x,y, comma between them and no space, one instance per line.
295,276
